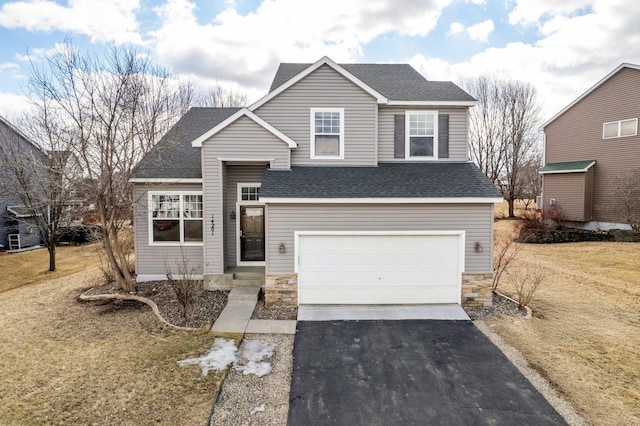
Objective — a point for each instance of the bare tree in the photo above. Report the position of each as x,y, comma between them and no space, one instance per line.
521,135
487,127
221,96
627,195
503,131
109,111
42,179
529,180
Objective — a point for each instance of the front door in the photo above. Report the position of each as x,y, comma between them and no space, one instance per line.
252,233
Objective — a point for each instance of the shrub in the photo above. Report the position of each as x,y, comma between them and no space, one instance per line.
531,219
504,253
525,280
184,285
554,217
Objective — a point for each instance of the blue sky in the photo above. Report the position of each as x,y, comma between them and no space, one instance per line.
561,47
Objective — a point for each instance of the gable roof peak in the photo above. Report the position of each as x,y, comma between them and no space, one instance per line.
399,84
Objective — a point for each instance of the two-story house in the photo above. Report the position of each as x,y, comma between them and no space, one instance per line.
589,146
345,184
18,228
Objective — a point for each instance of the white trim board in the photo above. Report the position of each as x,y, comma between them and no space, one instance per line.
165,180
443,200
432,103
142,278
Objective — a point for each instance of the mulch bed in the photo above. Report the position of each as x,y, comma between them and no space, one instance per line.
501,306
274,313
206,309
209,305
572,235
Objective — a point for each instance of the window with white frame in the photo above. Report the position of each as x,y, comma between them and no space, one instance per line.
327,133
175,218
249,192
421,134
618,129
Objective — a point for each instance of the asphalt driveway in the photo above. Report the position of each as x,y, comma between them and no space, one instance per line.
408,373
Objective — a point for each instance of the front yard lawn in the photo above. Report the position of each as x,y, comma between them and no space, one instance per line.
66,362
585,332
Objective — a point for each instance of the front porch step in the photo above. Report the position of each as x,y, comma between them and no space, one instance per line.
248,283
244,294
248,275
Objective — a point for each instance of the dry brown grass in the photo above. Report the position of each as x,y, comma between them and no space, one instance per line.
32,267
63,362
585,332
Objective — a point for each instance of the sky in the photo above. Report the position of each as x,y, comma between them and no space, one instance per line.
561,47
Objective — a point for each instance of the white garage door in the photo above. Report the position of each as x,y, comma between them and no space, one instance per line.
376,268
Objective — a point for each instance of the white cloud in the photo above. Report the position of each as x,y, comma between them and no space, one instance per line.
480,32
248,48
12,106
575,52
110,21
456,28
527,12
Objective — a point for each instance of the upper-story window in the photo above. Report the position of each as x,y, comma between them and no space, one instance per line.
175,217
327,133
618,129
421,134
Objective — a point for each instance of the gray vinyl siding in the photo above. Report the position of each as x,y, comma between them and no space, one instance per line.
15,144
576,135
458,132
245,138
212,184
233,176
284,219
151,260
289,112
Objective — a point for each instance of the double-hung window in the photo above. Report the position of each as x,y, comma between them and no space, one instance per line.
421,134
327,133
618,129
175,217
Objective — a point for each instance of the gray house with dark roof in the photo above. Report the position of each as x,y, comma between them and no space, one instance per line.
345,184
18,228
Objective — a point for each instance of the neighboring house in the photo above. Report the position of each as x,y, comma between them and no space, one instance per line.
345,184
17,225
589,145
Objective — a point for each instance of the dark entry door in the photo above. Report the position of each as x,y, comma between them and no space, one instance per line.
252,233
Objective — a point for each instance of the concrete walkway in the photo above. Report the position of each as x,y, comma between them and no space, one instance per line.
236,316
380,312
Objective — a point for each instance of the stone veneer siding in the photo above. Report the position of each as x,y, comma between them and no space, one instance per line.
282,289
476,290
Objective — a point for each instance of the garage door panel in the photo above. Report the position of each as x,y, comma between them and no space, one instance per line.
379,269
389,296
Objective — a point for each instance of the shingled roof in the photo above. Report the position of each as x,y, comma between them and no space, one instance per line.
397,82
173,156
387,180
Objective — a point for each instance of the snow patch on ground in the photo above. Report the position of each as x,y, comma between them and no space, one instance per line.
249,359
252,353
222,354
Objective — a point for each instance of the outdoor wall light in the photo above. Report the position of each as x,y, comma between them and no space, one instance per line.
282,249
479,247
232,215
